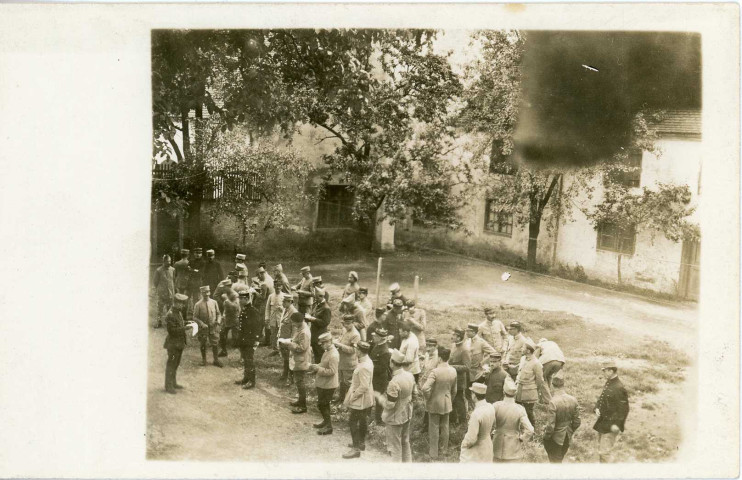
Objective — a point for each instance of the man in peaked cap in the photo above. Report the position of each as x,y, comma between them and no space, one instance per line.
477,443
280,277
348,358
206,314
512,428
213,273
492,330
381,357
417,319
360,399
515,349
319,320
352,287
368,308
326,381
460,360
305,291
181,272
480,353
495,379
397,413
392,321
395,292
285,331
439,391
249,333
349,306
231,307
301,354
239,262
175,341
612,408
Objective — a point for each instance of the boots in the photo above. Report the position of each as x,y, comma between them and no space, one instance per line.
215,351
169,388
175,380
203,355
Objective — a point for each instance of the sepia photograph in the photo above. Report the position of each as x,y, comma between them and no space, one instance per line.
420,245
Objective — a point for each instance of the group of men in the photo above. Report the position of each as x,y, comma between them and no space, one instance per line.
382,361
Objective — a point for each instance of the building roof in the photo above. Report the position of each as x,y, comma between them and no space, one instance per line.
681,123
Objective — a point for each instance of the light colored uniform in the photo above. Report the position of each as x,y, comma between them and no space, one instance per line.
512,428
477,443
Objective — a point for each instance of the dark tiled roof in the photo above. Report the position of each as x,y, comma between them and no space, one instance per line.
681,122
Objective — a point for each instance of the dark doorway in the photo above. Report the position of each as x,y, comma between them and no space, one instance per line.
334,209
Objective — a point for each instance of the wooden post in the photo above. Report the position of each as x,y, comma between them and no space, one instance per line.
378,281
417,286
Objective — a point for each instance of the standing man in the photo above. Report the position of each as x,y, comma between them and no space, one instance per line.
429,360
480,353
348,359
175,341
285,331
206,315
301,353
612,408
325,382
461,361
212,273
360,399
368,308
477,443
551,358
181,272
495,379
417,319
381,357
304,289
239,262
352,287
515,349
196,273
439,391
410,348
512,428
349,307
319,320
492,330
223,290
231,311
562,421
530,383
273,313
397,405
279,275
164,288
393,319
250,326
395,292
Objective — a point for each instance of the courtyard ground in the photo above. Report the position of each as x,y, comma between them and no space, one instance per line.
653,342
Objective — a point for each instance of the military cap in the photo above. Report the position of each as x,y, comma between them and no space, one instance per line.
226,283
287,296
381,331
304,269
489,310
198,250
325,337
240,256
509,387
496,355
394,287
397,356
297,317
514,324
379,311
431,341
184,251
458,330
232,273
180,297
348,318
608,364
245,293
262,264
210,251
279,267
204,288
473,326
478,388
397,302
240,267
317,279
363,290
354,275
261,269
363,346
410,303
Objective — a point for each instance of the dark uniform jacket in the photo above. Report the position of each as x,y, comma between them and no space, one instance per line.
196,275
495,382
391,322
380,355
212,274
176,336
613,405
250,326
323,314
181,275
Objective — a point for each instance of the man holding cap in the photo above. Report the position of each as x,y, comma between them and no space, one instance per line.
562,421
612,408
175,341
397,405
304,290
319,320
492,330
477,443
325,382
301,356
249,333
285,331
512,427
515,349
439,390
348,359
206,315
460,360
213,272
381,357
360,399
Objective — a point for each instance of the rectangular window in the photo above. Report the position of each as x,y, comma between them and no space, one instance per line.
615,239
631,177
497,221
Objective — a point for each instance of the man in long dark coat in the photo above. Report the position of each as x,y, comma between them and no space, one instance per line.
212,273
612,408
250,328
175,341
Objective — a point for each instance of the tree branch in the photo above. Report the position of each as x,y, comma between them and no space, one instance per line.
546,198
176,149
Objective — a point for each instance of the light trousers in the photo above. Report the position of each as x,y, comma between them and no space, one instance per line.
438,433
398,442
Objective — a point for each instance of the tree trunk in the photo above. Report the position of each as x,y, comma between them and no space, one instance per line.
194,209
534,225
618,263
